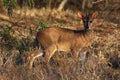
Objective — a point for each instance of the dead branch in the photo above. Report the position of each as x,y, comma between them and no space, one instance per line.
62,4
98,1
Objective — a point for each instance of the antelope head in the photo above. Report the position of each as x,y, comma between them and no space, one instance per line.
87,19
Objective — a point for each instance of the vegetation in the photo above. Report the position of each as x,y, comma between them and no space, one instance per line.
42,25
21,19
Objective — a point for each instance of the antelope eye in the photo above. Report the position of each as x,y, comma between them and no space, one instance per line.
90,21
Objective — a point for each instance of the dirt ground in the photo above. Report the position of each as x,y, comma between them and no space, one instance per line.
17,35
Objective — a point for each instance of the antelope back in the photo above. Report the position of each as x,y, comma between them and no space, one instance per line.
55,35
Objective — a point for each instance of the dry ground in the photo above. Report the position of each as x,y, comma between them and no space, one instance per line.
17,34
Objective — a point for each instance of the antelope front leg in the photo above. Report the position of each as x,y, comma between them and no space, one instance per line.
75,52
84,56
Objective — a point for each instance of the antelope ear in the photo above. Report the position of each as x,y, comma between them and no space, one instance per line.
80,15
94,15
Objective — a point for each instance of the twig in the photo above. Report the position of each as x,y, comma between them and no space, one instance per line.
62,4
97,1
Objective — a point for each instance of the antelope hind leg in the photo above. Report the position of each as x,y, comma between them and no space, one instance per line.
49,52
33,56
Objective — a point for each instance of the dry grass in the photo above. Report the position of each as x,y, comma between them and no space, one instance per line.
102,63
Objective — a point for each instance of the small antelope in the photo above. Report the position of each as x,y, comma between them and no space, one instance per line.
54,39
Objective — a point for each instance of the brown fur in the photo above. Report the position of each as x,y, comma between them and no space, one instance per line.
60,39
55,38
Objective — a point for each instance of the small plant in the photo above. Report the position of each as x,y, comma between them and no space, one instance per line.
20,46
10,5
6,32
24,45
31,3
60,23
42,25
7,40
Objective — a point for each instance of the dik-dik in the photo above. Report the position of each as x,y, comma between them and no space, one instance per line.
54,39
